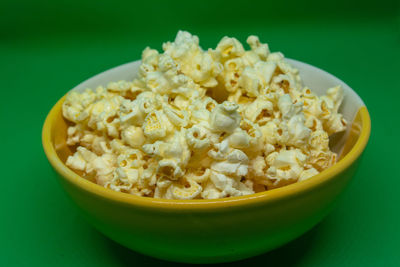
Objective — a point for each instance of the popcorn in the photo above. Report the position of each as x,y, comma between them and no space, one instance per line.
219,151
235,164
257,167
177,117
201,109
119,87
130,113
197,139
259,111
298,132
262,50
170,168
287,108
228,186
229,48
157,82
199,176
104,167
247,136
270,133
233,69
211,192
283,83
306,174
154,126
224,117
194,63
133,136
251,82
203,124
75,105
255,79
188,191
81,160
275,57
285,165
149,58
322,160
286,158
75,134
319,140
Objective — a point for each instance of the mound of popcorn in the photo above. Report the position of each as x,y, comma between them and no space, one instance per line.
201,124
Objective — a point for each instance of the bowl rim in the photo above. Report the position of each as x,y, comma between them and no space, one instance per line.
256,198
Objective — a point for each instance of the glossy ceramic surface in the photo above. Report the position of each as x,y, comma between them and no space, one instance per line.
211,230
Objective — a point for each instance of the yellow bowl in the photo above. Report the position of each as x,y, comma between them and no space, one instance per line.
208,231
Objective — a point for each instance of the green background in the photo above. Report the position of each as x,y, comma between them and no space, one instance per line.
48,47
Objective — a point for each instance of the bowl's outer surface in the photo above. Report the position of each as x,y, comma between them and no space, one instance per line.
208,233
209,236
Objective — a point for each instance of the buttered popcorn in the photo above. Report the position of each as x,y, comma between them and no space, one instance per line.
203,124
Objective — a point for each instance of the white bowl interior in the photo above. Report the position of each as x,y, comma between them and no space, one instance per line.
314,78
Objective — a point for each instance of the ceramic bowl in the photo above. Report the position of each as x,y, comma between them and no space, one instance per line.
209,231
